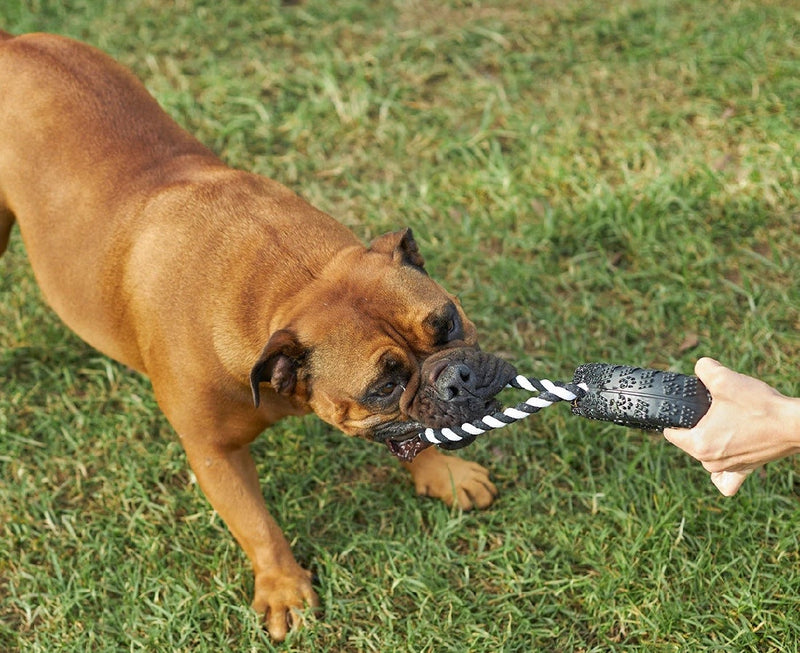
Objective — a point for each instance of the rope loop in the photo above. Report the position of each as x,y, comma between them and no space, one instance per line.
547,393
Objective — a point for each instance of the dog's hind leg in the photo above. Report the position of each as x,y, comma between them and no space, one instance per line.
6,222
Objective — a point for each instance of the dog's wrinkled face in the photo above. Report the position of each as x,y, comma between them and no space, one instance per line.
380,350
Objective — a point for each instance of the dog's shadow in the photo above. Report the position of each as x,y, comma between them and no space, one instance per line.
69,377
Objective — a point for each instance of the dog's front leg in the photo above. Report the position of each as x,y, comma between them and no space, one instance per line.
229,479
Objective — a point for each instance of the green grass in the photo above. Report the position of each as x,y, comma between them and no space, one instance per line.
597,180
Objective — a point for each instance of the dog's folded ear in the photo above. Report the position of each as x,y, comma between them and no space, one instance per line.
401,246
278,364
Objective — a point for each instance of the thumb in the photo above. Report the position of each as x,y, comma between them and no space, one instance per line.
705,367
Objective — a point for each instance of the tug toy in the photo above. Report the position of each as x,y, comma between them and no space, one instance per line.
629,396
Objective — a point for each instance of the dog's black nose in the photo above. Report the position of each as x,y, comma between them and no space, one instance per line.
456,382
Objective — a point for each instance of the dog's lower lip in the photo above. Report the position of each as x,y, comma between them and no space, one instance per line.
406,449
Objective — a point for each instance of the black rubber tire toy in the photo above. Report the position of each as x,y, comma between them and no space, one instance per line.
640,398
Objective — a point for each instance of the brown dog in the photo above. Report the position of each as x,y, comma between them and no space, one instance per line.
224,288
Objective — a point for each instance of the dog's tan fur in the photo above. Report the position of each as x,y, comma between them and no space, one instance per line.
162,257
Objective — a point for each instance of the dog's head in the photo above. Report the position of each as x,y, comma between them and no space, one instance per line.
378,349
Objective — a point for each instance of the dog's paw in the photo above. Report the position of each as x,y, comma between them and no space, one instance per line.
286,599
453,480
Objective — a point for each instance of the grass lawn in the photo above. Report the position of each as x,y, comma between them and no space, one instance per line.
598,181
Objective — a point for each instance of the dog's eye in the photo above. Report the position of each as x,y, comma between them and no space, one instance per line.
454,329
386,389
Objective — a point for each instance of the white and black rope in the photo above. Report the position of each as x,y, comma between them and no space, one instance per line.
548,393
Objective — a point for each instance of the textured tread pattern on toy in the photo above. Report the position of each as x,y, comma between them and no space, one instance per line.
640,398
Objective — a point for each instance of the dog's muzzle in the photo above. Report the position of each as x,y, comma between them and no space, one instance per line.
454,386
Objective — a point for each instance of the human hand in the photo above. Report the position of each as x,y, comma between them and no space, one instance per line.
748,424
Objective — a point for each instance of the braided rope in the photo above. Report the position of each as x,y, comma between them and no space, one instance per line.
549,392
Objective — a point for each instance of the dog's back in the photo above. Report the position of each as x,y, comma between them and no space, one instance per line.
110,193
76,114
82,144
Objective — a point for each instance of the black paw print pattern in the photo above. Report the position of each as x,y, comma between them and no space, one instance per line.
641,398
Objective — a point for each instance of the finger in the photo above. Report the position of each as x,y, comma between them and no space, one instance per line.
728,483
683,438
705,366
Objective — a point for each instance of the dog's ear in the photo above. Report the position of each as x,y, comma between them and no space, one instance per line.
401,246
278,364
